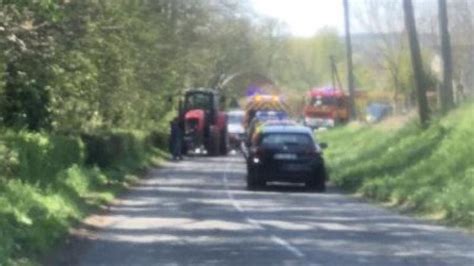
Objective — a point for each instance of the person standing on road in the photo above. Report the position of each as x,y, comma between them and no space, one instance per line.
176,138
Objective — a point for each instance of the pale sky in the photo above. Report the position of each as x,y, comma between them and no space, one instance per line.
304,17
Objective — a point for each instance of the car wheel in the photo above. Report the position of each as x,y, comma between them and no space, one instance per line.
311,185
316,185
250,178
318,182
321,185
254,181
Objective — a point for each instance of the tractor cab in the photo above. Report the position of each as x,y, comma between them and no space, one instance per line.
201,99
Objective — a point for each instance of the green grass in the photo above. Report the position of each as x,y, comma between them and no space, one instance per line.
48,183
428,171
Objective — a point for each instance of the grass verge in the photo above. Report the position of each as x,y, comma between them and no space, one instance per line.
430,172
48,183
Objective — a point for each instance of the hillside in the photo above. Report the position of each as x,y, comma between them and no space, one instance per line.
427,171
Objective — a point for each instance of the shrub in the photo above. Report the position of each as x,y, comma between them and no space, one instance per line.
47,182
119,147
39,157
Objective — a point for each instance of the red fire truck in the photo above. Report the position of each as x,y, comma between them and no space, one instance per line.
326,107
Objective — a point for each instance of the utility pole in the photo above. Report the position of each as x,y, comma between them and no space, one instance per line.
446,92
336,81
417,63
350,74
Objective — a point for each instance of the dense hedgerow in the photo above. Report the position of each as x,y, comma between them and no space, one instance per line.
431,171
48,182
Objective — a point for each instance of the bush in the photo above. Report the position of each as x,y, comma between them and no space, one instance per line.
39,157
113,148
48,182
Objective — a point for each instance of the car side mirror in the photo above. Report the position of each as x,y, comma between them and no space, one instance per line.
323,145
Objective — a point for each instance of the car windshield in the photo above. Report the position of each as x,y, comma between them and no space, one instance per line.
199,101
324,101
235,118
271,114
297,139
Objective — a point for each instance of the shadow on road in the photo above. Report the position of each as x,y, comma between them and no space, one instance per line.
187,213
294,188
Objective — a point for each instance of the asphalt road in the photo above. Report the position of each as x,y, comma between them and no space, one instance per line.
198,212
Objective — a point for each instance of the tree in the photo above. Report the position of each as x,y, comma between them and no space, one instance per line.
446,90
417,64
306,61
461,27
350,74
85,65
385,56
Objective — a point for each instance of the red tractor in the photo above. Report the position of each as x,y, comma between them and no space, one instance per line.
205,125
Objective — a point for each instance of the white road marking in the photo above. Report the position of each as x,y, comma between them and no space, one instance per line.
277,240
288,246
234,202
254,223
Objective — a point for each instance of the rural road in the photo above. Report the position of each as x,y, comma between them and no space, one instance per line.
198,212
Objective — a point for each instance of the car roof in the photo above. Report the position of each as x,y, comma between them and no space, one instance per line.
286,128
278,122
236,112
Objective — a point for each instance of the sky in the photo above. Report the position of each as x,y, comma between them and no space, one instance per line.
304,17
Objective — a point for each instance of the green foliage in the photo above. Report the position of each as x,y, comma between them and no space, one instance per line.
125,147
46,185
42,156
307,62
79,66
82,74
427,170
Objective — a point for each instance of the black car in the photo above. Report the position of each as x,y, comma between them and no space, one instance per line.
285,153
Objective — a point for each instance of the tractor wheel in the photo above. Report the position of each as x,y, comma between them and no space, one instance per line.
224,142
213,147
